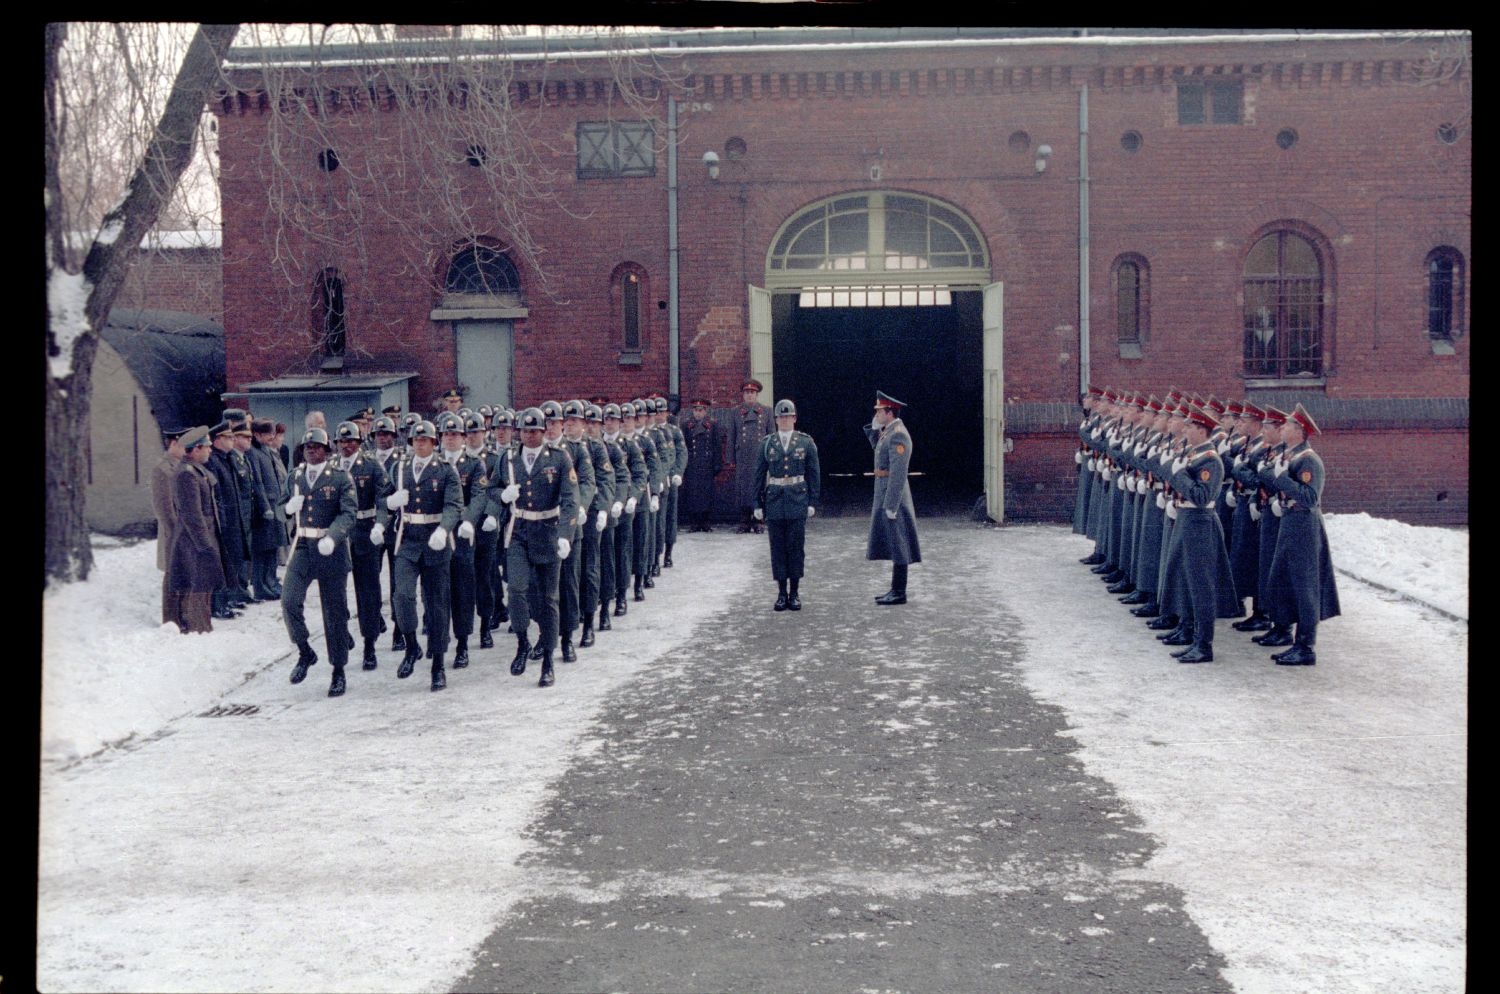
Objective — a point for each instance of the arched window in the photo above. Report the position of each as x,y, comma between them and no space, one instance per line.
1130,282
329,319
482,270
1283,307
1445,293
629,289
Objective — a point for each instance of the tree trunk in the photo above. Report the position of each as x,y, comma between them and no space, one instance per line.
78,307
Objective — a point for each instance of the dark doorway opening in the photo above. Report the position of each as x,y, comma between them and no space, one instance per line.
831,360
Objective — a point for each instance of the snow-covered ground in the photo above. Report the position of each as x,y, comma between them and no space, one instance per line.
273,896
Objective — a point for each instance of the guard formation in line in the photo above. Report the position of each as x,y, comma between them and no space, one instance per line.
1195,506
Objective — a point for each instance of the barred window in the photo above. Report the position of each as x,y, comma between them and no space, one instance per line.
480,269
1218,102
616,149
1283,319
1131,276
329,319
629,287
1445,293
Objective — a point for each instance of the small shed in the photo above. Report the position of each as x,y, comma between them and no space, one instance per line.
288,399
154,370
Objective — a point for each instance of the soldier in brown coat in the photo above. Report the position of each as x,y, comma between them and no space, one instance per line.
166,520
194,569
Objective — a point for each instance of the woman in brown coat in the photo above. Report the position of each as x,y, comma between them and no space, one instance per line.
194,569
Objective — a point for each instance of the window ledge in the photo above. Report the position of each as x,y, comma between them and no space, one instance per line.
1441,346
1130,350
1286,382
630,358
479,313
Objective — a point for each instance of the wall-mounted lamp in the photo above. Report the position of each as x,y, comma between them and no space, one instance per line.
1043,153
711,160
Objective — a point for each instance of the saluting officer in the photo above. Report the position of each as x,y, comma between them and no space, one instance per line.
893,518
321,498
1302,570
474,484
427,492
538,482
787,481
618,419
371,487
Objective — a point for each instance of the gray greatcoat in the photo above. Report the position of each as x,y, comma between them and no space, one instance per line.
193,565
893,539
748,426
162,477
266,533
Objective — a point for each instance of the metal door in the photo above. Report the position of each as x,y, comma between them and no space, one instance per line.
484,361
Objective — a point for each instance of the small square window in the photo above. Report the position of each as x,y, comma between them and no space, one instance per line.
1226,98
1190,103
1210,103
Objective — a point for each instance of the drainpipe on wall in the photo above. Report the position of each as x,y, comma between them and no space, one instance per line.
673,332
1083,239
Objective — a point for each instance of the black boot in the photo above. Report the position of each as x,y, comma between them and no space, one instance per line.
1150,609
305,658
619,607
780,596
793,602
1138,596
1201,652
536,651
1093,559
336,688
1300,654
369,660
639,594
649,583
667,559
409,661
587,638
439,679
897,593
349,641
523,650
604,624
547,678
1163,622
398,641
569,656
1182,636
1114,577
656,568
1278,635
461,655
486,640
1103,568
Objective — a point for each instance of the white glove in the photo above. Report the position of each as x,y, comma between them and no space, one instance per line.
294,505
1161,499
1231,499
1280,468
1172,510
615,509
397,500
1122,482
676,479
325,545
510,493
377,534
601,520
758,514
1142,486
811,511
891,515
583,515
563,548
1078,458
1178,465
1276,505
466,531
630,506
1091,465
491,523
1254,512
438,540
655,504
1223,447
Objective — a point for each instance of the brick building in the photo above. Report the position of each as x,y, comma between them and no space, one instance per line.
978,221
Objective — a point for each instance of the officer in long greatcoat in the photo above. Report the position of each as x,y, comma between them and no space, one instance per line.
1302,570
749,423
893,518
234,528
705,450
321,498
788,481
195,565
162,476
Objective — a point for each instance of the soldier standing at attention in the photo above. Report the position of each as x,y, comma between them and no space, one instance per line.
431,502
234,529
166,519
704,444
538,482
321,499
787,481
1301,569
678,448
195,563
371,488
893,519
750,422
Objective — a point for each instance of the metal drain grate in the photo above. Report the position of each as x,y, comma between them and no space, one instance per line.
231,711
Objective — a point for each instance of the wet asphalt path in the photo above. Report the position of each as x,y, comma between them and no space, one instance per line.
848,798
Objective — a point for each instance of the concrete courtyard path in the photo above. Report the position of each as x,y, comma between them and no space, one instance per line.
846,798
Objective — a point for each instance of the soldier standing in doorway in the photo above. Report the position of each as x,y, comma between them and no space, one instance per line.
893,518
750,422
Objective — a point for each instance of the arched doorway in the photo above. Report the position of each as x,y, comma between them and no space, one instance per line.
884,290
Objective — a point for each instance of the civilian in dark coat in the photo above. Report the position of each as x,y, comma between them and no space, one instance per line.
235,530
194,562
705,450
749,423
893,518
268,530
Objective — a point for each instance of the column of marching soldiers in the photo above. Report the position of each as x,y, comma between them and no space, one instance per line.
1195,505
559,514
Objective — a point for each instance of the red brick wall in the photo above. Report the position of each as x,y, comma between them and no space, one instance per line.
1367,178
188,280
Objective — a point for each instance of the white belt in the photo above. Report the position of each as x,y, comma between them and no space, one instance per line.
311,532
1190,506
784,481
547,515
361,515
422,519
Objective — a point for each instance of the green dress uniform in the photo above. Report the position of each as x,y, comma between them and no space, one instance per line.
638,489
1301,567
570,576
611,585
591,565
329,508
388,460
674,490
435,499
787,484
371,487
643,551
473,484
